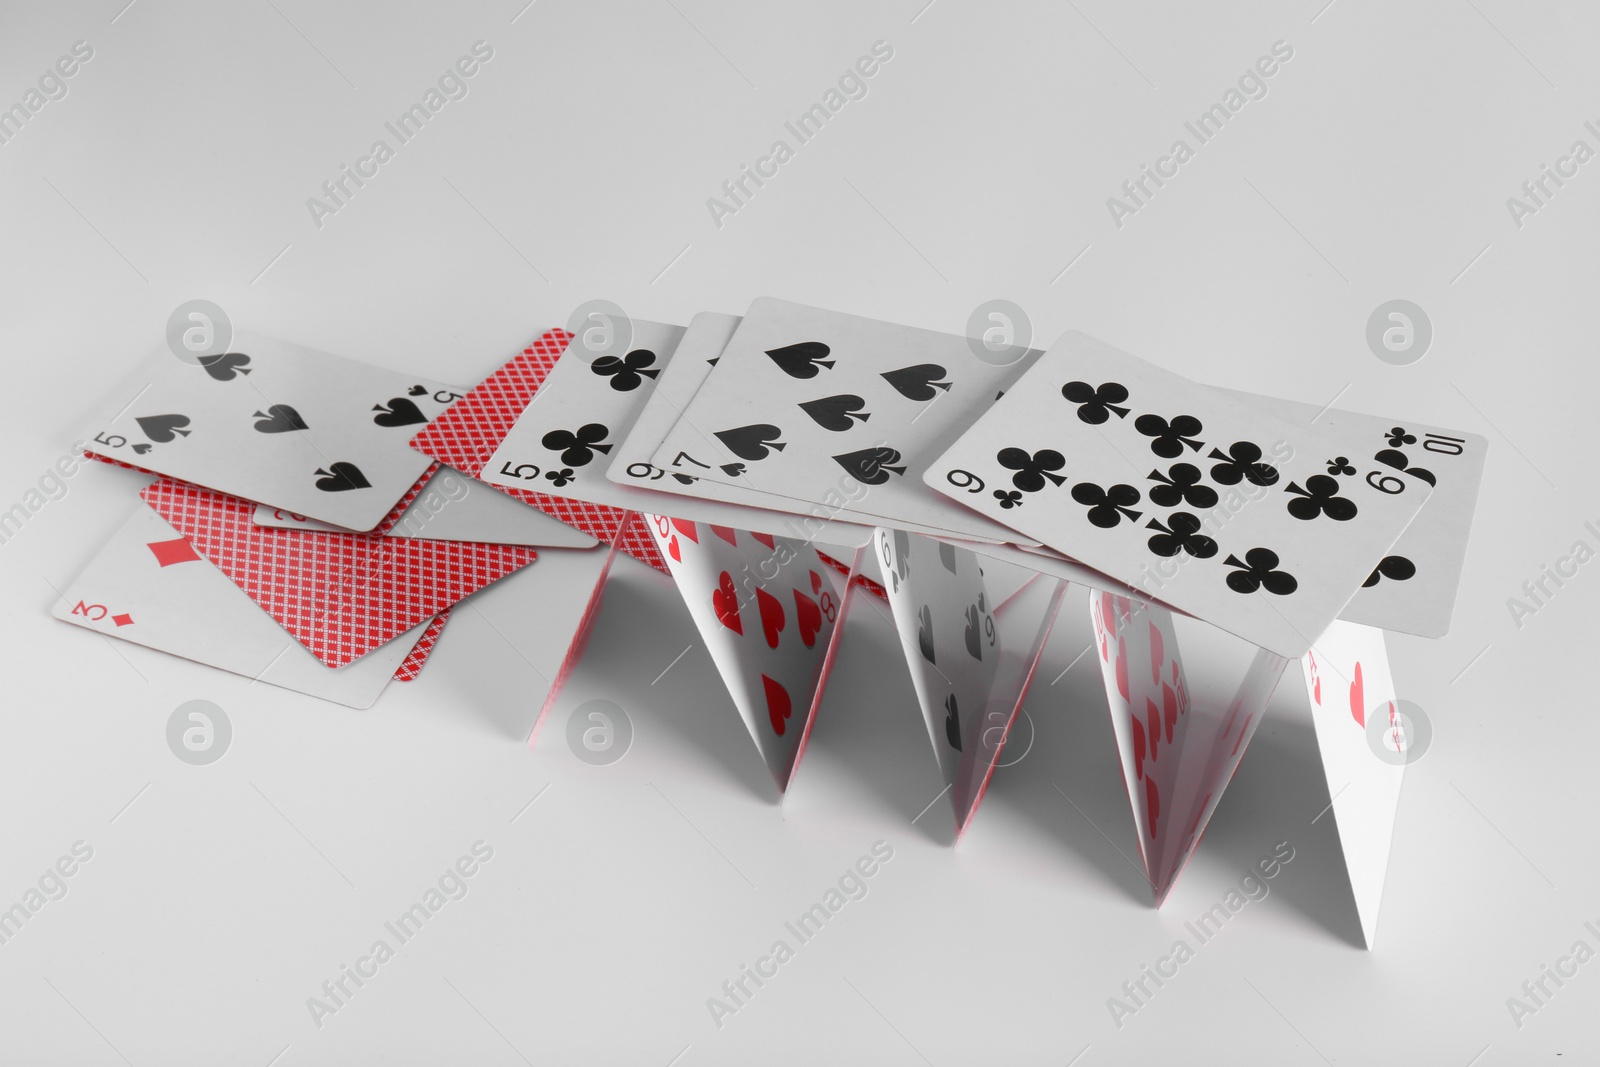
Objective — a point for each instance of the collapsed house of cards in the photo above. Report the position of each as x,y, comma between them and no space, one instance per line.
312,521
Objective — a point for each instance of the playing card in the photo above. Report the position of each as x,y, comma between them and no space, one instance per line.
147,585
972,649
340,595
470,430
564,440
1230,685
1413,588
385,525
564,437
946,624
313,433
1214,507
1022,624
1048,561
830,408
697,353
453,507
1148,696
418,657
769,610
1356,716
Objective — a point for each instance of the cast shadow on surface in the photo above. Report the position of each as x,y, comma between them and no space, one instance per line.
1280,793
642,652
1067,785
668,675
870,732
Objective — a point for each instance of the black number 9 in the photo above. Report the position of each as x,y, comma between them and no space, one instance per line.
647,471
965,480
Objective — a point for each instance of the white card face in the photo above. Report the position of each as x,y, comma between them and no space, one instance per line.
563,441
1413,589
576,403
767,608
1348,686
313,433
1218,509
700,350
825,407
945,618
454,507
149,587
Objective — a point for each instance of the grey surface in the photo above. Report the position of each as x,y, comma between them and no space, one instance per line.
978,166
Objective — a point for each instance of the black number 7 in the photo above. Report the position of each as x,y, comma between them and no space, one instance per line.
677,460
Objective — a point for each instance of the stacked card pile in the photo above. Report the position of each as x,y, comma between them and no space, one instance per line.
285,478
783,464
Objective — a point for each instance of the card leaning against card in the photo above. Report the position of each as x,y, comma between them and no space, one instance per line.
1221,510
269,421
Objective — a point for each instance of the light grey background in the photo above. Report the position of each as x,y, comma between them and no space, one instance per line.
978,166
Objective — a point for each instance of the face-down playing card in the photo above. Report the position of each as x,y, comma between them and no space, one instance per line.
340,595
1413,587
313,433
148,585
821,406
450,506
770,611
411,667
1213,507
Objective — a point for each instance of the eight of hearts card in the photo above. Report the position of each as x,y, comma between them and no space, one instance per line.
1223,511
287,426
767,608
